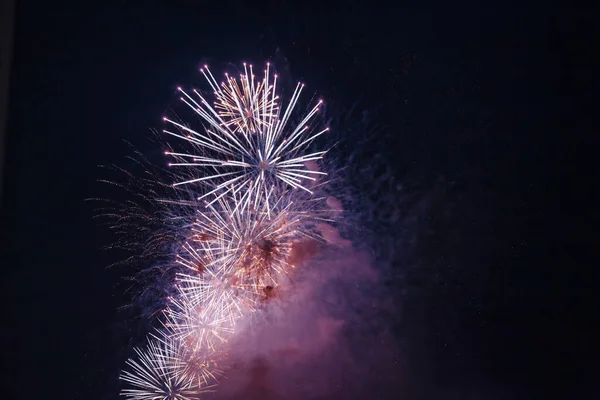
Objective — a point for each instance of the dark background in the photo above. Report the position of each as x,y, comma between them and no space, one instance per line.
481,106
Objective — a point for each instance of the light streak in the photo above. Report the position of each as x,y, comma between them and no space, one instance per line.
246,143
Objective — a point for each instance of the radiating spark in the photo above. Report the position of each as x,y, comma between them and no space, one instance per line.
199,326
157,374
247,241
247,144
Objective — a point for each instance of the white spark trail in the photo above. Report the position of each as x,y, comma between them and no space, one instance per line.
246,139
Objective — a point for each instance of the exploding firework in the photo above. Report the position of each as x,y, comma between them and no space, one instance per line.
246,144
201,326
159,373
262,198
250,244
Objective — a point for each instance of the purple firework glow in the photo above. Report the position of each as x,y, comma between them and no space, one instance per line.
255,210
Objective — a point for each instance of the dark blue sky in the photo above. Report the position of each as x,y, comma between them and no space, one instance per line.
465,95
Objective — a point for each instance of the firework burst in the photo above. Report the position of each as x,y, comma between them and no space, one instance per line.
200,326
248,243
246,143
158,373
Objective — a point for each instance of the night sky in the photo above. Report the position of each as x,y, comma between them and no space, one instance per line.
487,298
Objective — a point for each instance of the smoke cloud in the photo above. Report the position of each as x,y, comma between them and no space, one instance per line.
323,336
